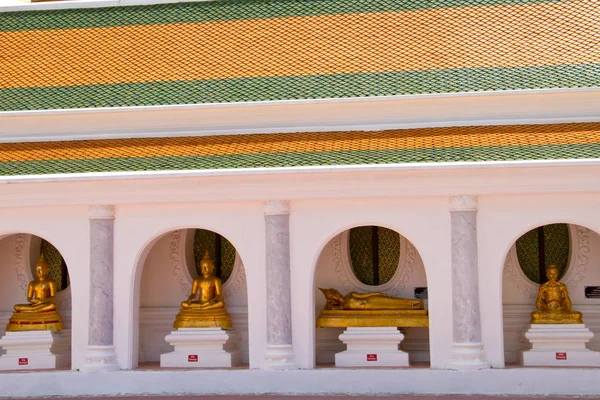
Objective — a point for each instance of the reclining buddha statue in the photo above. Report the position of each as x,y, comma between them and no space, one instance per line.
370,309
553,303
367,301
40,312
209,310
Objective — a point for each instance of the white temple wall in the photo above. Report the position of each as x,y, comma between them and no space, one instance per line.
423,221
501,221
334,270
139,228
167,280
67,228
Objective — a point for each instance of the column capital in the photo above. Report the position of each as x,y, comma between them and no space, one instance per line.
277,207
101,212
463,203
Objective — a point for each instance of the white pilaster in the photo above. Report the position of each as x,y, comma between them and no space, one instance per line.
100,353
467,346
279,352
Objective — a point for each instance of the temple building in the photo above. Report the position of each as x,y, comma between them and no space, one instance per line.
299,196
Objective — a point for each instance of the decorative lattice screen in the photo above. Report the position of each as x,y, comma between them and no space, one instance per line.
206,240
557,248
361,253
57,269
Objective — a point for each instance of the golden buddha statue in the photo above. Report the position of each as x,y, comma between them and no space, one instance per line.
367,301
553,303
39,314
370,310
209,310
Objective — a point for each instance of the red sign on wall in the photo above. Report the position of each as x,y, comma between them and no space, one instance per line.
193,358
561,356
371,357
23,361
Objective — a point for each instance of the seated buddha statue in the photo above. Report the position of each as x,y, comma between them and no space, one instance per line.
553,303
368,301
40,311
208,311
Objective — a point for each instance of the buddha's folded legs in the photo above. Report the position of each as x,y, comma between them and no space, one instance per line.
35,307
557,317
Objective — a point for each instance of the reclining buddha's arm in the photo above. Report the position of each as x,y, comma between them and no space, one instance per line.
367,295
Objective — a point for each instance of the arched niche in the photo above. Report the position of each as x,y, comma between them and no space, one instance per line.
19,253
334,269
167,276
519,292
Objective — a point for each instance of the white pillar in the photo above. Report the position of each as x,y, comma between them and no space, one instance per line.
279,352
467,346
100,353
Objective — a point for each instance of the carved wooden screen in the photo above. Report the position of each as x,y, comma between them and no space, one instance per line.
214,243
374,254
57,268
555,249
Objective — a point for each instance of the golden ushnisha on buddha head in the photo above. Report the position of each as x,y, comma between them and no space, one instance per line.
209,310
40,311
553,303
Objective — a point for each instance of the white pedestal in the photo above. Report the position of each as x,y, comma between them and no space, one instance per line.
202,348
559,345
372,347
36,350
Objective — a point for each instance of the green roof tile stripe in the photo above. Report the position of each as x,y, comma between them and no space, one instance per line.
224,11
300,87
273,160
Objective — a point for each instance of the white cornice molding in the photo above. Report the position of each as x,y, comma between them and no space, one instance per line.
543,106
18,5
363,181
312,170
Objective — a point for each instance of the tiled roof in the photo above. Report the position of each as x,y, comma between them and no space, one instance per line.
459,144
253,50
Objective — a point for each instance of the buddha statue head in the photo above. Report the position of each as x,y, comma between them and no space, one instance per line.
332,295
41,267
552,272
207,266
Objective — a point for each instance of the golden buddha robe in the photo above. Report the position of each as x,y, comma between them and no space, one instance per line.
209,310
40,311
553,303
370,310
368,301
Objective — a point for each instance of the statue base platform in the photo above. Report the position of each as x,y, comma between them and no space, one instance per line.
374,318
559,345
372,347
196,318
36,350
202,348
29,321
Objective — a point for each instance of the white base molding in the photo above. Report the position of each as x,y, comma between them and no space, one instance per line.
36,350
467,357
372,347
533,381
202,348
100,359
559,345
279,356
